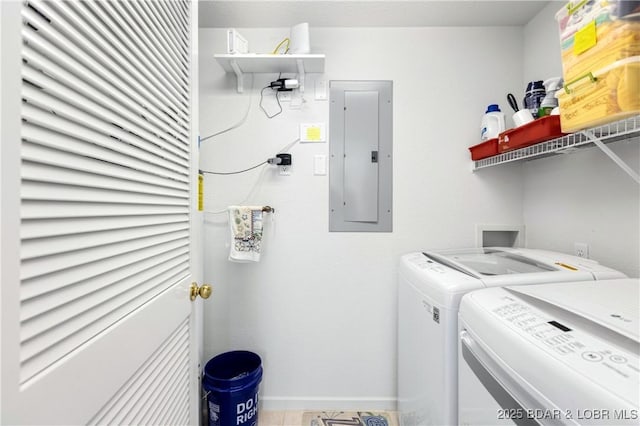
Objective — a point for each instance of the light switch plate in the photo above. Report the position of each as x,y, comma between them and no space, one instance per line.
321,89
320,165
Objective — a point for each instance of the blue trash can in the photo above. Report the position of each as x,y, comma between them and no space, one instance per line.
232,380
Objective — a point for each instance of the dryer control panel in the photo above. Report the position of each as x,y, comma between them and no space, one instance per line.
610,365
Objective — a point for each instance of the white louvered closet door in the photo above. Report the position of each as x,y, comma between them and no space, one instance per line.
97,176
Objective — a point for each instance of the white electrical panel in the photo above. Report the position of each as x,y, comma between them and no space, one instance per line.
360,156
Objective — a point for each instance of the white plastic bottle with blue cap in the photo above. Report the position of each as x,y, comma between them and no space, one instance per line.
493,123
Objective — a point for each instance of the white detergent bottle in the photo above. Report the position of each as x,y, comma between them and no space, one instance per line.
493,123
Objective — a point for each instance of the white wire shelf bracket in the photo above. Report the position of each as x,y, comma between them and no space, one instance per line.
628,128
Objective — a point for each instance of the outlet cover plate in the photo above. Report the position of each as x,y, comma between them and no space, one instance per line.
284,170
581,250
284,96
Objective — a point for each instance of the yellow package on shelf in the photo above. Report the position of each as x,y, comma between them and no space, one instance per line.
610,94
597,33
615,40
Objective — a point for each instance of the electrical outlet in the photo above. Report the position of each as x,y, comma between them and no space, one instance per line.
284,170
581,250
284,96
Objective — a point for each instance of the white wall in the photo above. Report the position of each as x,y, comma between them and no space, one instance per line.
320,307
541,52
584,196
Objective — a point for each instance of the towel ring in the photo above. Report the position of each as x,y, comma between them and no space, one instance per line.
268,209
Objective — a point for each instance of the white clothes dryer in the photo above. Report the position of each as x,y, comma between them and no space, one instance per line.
551,354
430,286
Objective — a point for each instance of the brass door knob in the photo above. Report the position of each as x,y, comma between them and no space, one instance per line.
204,291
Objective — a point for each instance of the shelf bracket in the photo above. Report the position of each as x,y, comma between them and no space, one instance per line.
300,65
238,72
624,166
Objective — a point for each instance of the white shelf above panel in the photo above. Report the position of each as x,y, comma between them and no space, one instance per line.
240,64
624,129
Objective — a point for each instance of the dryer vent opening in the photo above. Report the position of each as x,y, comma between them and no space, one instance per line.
499,236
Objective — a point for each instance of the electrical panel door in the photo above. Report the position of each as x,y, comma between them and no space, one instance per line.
360,156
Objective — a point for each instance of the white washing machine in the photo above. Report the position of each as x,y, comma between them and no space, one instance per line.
551,354
430,287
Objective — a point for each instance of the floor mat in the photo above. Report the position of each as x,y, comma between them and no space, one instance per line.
349,418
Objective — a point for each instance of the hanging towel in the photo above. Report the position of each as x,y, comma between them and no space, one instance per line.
245,223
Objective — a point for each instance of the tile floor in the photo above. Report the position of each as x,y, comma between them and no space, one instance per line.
295,418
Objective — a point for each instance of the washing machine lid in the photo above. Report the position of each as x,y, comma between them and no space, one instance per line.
497,267
483,262
446,275
572,346
566,262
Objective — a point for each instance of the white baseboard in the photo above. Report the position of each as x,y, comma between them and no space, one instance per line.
279,403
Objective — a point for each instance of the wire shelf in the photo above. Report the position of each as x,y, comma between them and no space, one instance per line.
618,130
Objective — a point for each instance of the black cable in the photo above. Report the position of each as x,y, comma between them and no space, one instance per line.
264,110
234,173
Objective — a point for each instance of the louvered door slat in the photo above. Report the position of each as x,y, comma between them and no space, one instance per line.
68,284
97,303
84,68
43,209
133,393
43,173
60,94
179,63
90,150
180,13
77,286
54,227
180,417
149,65
161,394
108,97
74,193
160,45
159,11
83,116
178,48
39,247
156,54
156,386
134,389
45,349
183,8
116,71
172,411
168,16
46,265
135,47
115,67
